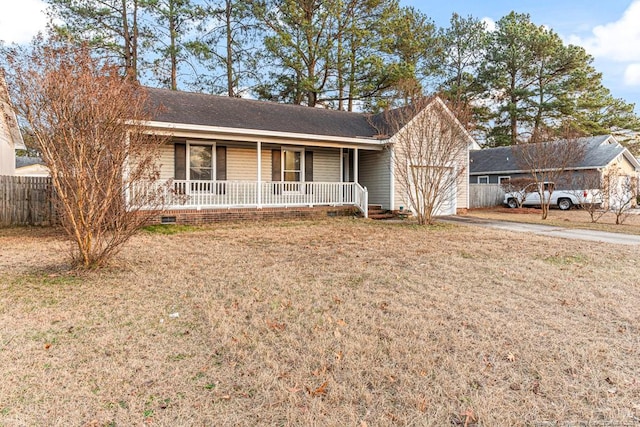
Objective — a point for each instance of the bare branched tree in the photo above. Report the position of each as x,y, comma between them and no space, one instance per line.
620,189
430,149
547,162
518,188
80,112
589,189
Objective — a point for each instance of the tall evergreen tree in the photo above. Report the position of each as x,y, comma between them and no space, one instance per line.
537,86
509,75
411,48
298,46
226,46
110,26
465,44
170,21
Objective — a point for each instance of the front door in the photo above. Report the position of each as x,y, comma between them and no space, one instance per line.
292,169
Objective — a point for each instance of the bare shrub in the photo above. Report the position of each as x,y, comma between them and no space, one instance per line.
621,190
429,148
80,112
589,189
518,188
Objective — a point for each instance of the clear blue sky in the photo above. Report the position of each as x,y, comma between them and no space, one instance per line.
615,44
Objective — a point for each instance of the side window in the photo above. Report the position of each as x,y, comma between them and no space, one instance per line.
483,179
504,179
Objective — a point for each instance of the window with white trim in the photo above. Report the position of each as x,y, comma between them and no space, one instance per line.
292,164
200,162
483,179
504,179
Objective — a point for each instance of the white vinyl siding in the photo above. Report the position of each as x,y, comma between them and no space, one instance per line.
242,164
266,165
326,164
375,173
462,187
166,161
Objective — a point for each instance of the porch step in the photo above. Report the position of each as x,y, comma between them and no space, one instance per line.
383,215
377,212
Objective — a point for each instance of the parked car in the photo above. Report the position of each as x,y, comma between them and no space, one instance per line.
562,199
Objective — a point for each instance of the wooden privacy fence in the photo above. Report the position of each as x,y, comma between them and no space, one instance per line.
485,195
24,200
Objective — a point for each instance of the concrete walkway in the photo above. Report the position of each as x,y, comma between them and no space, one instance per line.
548,230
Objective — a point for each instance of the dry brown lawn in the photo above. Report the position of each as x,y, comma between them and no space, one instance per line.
574,218
329,323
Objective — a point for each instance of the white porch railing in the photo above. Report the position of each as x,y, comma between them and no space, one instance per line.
241,194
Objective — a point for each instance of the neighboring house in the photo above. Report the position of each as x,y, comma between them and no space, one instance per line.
10,136
228,153
602,155
30,166
495,165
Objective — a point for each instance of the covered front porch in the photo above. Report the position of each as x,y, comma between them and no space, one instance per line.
204,194
208,174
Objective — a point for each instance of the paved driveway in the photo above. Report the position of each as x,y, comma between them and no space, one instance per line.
548,230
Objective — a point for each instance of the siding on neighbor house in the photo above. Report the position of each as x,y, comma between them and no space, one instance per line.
625,166
374,172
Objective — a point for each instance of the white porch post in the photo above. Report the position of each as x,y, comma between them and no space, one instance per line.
355,165
341,164
125,176
259,189
392,178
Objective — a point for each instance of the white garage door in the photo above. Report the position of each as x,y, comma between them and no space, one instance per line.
447,200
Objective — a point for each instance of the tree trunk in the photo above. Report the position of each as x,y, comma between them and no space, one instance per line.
229,58
130,35
173,49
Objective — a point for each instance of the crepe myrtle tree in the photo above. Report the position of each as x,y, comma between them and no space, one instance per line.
429,153
517,188
589,189
81,113
547,162
621,190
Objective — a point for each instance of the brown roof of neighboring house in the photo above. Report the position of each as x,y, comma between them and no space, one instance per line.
222,111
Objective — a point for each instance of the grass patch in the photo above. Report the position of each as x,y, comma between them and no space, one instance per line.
170,229
337,322
557,259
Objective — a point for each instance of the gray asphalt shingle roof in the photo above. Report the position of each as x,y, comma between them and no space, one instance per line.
503,159
222,111
22,161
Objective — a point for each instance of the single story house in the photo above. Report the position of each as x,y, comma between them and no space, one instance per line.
601,153
10,135
241,158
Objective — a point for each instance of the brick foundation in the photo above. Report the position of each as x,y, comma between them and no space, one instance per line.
208,216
